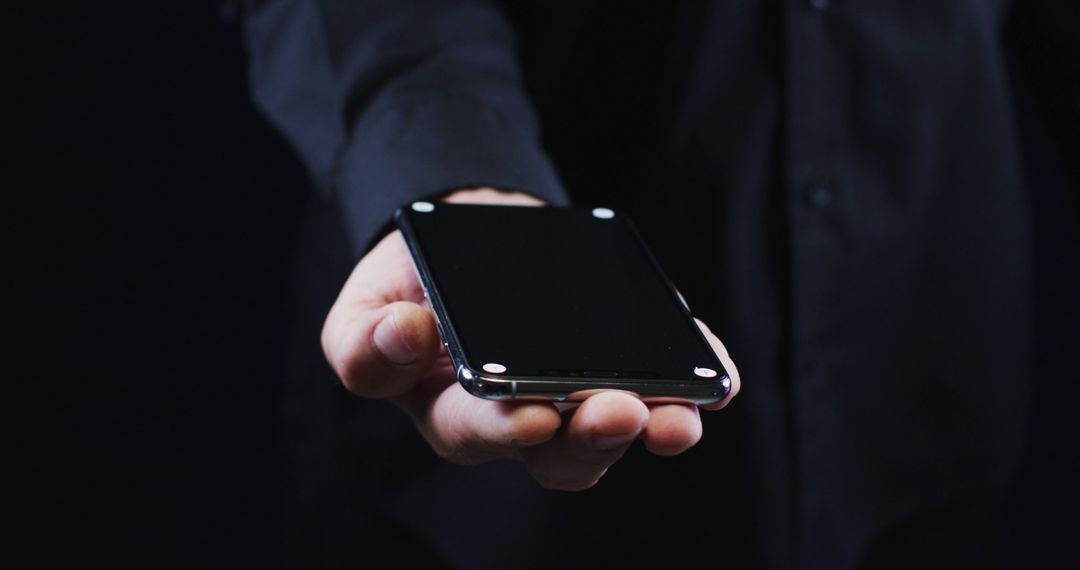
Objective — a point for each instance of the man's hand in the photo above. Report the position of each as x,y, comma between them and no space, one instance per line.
381,339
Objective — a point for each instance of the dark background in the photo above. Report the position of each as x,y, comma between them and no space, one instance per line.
168,220
170,212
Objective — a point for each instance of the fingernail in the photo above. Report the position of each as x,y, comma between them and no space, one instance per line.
389,340
612,442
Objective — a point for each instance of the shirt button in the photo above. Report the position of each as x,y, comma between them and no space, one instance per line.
818,195
818,4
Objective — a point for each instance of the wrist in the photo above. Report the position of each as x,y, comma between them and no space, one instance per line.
492,196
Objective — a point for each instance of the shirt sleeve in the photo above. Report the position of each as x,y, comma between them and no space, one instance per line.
387,102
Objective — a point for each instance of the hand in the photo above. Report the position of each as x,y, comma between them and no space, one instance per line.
381,339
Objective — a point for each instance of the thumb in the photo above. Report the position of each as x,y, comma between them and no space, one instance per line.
381,352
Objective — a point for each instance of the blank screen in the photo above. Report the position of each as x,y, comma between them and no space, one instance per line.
555,292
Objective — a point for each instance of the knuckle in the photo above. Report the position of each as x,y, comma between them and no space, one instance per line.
451,453
350,380
455,451
343,356
447,438
348,371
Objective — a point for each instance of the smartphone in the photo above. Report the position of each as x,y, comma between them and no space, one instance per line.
556,303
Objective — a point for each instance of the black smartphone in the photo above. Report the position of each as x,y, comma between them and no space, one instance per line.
556,303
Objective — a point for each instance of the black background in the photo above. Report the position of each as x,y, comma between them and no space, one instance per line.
166,214
169,212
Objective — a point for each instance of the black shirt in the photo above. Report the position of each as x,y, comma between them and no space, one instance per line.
837,189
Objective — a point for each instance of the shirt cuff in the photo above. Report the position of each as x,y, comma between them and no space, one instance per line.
424,150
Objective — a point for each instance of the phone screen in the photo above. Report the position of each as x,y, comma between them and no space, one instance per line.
556,292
